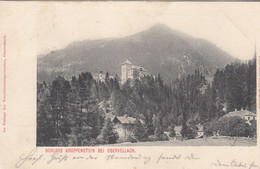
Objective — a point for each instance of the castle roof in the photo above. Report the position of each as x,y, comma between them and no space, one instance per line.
126,62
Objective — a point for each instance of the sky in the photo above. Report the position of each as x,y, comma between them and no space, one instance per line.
230,26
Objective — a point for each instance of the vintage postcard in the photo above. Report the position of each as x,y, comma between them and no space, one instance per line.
129,85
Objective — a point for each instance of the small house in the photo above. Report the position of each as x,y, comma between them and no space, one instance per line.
123,126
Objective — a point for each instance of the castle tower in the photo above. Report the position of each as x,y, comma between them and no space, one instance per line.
126,71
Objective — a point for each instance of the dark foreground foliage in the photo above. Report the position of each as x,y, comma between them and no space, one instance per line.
75,112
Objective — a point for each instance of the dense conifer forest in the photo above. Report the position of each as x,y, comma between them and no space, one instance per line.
77,112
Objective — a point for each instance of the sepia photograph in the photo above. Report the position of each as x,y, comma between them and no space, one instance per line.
179,75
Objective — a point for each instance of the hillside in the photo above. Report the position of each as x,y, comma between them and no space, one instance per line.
159,49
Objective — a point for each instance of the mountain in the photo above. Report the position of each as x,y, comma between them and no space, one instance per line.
159,49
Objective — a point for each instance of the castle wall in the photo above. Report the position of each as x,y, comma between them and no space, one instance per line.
129,71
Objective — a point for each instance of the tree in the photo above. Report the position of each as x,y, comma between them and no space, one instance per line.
94,92
184,129
107,78
192,131
234,126
45,123
253,128
251,85
103,91
189,131
235,87
140,131
130,109
210,127
158,131
59,102
107,135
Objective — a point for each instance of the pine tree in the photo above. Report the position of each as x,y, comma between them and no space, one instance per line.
45,123
107,135
140,131
58,100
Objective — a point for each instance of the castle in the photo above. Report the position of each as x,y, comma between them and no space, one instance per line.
130,71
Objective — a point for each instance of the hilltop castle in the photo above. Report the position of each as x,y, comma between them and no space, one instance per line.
130,71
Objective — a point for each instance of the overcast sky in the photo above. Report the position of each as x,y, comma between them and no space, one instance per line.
231,26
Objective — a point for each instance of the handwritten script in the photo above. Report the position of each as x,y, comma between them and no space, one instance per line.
34,156
235,164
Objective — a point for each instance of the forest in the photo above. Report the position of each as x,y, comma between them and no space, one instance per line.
76,112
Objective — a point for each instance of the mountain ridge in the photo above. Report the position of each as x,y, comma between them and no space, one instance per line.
159,49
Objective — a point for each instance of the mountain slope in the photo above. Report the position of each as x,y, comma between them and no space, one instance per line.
159,49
